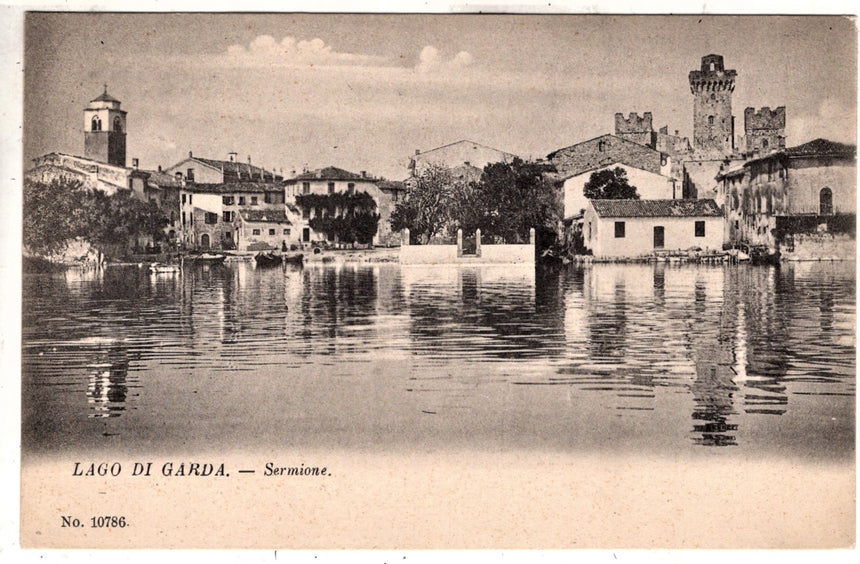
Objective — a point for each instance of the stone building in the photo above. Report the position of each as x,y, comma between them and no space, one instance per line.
214,171
453,155
606,150
333,180
805,192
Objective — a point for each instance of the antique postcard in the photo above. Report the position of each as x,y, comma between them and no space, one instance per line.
437,281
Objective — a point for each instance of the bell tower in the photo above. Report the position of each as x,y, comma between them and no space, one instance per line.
104,130
713,124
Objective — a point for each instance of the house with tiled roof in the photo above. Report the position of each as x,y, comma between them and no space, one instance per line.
458,154
261,230
209,212
333,181
639,228
808,188
213,171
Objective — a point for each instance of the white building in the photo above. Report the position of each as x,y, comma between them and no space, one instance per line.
638,228
649,185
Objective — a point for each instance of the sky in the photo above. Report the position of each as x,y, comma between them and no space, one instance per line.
364,91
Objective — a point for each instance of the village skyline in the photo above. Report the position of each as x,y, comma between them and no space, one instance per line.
363,92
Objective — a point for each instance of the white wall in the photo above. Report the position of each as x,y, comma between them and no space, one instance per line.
638,240
649,186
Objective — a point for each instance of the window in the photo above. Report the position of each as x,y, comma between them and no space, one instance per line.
331,187
228,200
825,201
211,218
286,231
190,175
710,120
183,219
183,198
700,229
189,199
271,231
619,229
97,124
764,143
253,200
350,188
117,124
713,96
241,200
601,146
229,216
267,197
255,231
306,187
306,213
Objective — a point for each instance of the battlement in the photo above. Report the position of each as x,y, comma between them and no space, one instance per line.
634,123
712,77
764,118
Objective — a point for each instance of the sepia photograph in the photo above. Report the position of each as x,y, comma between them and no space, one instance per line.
312,281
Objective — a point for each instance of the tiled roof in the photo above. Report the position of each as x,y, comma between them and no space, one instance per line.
822,147
235,167
234,187
162,179
391,185
656,208
105,97
465,142
265,216
330,173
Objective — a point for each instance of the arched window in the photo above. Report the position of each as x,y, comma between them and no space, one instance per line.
601,146
710,120
117,124
825,201
713,96
764,143
97,123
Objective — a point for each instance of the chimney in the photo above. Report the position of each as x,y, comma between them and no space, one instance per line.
249,160
292,173
159,168
190,155
232,155
134,163
466,163
364,174
417,151
676,133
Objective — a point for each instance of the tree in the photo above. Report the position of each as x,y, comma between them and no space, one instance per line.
51,214
610,185
510,200
425,210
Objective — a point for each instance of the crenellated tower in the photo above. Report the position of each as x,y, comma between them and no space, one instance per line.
713,124
764,130
634,128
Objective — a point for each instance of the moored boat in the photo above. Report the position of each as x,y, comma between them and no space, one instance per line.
268,259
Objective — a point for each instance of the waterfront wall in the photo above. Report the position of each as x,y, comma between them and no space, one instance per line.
453,254
819,246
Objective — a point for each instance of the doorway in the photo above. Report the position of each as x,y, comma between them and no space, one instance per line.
659,237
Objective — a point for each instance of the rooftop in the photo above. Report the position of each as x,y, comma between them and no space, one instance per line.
656,208
235,167
265,216
234,188
822,147
330,173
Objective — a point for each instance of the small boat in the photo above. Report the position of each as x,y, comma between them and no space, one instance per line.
207,258
161,268
268,259
294,259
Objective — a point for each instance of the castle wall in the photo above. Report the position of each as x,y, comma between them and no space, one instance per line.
764,130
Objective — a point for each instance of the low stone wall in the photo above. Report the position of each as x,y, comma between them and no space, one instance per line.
428,254
508,254
818,246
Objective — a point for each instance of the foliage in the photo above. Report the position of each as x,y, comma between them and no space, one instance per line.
510,199
425,210
61,210
610,185
349,217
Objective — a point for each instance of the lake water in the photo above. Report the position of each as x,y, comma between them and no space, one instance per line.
674,360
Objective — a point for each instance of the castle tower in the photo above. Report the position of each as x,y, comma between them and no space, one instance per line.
637,129
104,130
764,131
713,124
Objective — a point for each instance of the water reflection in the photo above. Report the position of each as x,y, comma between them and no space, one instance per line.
655,356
